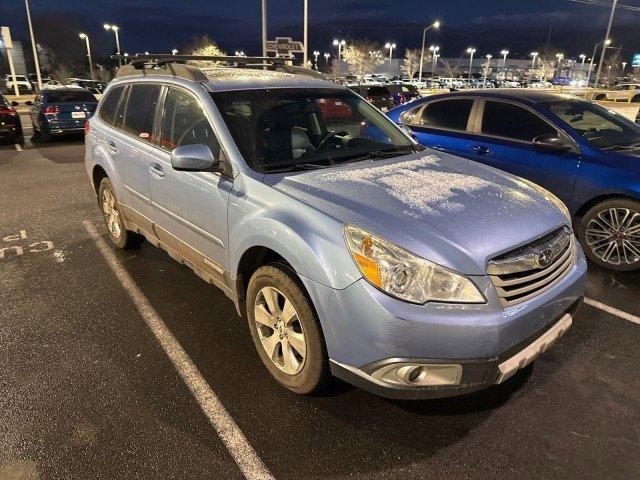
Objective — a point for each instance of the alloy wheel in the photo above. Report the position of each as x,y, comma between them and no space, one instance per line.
111,214
280,330
613,235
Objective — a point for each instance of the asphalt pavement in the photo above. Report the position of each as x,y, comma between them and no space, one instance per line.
89,391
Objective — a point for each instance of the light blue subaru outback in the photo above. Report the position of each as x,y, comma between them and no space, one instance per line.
351,250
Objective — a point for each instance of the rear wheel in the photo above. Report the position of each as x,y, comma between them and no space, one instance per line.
286,330
610,234
119,235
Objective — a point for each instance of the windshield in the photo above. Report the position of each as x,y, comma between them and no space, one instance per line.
597,125
282,129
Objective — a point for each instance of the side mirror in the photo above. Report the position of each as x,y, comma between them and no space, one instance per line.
14,103
193,158
550,142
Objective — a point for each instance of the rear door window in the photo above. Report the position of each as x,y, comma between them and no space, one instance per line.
109,105
141,109
450,114
511,121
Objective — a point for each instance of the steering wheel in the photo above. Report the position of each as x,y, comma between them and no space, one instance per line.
190,129
324,142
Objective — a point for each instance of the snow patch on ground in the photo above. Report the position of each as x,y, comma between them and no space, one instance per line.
422,189
59,255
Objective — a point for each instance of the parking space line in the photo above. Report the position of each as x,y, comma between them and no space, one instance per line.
612,310
244,455
18,147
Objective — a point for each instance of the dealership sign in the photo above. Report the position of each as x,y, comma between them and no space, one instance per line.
635,61
284,46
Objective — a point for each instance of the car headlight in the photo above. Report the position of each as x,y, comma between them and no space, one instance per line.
404,275
549,196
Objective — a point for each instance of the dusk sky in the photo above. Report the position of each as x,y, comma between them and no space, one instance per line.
159,25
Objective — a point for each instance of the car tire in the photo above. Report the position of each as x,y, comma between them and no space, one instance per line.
303,372
118,234
609,233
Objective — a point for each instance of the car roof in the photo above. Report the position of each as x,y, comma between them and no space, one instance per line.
221,79
519,94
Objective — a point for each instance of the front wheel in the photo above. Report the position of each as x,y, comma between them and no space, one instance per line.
119,235
610,234
286,330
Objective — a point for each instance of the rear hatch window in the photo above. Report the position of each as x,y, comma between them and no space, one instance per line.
65,96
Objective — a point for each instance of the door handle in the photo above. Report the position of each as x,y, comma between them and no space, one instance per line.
480,150
156,170
111,146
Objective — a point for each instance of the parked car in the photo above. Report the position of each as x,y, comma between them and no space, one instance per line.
585,154
10,125
23,83
89,85
61,111
403,93
57,84
378,95
349,249
623,91
540,84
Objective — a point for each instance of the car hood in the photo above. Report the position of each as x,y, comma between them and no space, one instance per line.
447,209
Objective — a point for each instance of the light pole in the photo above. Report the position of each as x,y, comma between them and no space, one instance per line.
36,61
435,25
560,57
470,51
175,50
613,10
305,34
339,44
582,57
624,65
534,56
115,30
607,42
264,28
504,54
326,57
85,37
436,56
390,47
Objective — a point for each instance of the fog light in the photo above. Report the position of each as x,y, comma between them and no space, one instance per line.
419,375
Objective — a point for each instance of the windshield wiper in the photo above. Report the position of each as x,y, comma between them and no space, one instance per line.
377,154
297,167
632,146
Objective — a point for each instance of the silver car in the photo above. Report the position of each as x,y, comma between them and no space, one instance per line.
350,249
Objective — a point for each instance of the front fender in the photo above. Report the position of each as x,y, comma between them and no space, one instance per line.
311,241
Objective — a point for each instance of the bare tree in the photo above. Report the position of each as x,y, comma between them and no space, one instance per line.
61,73
411,62
450,69
546,64
203,45
362,57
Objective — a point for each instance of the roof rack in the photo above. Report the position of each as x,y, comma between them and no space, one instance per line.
176,65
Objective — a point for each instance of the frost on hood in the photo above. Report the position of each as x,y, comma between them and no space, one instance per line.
420,187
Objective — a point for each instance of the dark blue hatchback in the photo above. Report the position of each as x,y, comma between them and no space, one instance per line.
61,111
585,154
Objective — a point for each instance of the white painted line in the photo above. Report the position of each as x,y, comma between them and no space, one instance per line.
612,310
245,456
18,147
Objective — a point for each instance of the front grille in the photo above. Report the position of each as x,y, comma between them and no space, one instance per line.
530,270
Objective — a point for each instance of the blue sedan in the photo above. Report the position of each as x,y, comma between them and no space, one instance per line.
582,152
62,111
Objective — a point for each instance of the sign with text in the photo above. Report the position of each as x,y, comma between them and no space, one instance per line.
635,61
284,46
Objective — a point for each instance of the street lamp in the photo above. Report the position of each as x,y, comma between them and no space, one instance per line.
85,37
435,25
115,29
582,57
175,50
606,38
624,65
504,54
486,69
607,42
470,51
390,47
316,53
560,57
36,62
533,60
434,54
339,44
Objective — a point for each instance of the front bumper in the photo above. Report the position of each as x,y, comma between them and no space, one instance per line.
365,329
